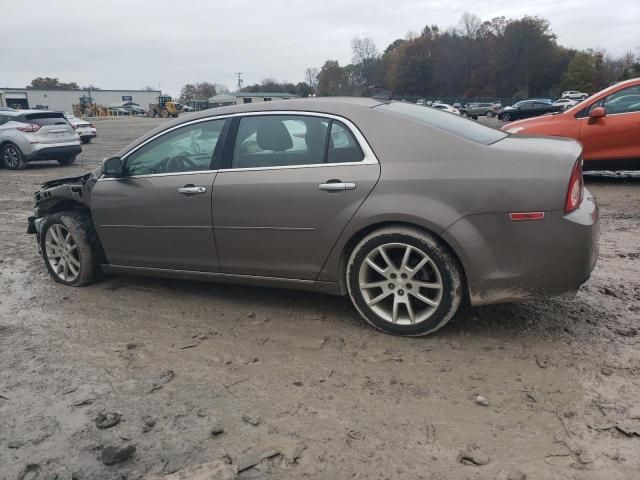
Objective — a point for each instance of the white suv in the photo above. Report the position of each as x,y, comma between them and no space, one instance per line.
29,135
574,95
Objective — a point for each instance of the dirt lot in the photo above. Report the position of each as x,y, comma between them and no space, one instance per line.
298,379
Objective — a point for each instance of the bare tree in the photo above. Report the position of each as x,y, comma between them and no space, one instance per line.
311,77
469,25
363,50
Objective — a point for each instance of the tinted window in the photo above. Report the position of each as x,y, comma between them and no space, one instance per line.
445,121
185,149
624,101
343,147
45,119
280,140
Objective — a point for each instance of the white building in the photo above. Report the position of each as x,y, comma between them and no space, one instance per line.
248,97
62,100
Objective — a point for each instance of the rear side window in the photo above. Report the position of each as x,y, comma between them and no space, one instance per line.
454,124
343,147
46,119
292,140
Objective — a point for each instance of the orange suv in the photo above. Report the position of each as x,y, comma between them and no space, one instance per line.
607,124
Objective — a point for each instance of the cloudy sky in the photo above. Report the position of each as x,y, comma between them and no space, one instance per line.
126,44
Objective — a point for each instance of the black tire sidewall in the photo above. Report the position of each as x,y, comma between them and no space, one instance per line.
78,225
67,160
445,262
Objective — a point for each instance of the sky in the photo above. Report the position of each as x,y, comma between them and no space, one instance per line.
164,44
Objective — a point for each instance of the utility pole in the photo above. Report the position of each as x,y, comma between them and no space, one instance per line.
239,74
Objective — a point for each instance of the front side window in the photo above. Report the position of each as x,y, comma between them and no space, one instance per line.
292,140
186,149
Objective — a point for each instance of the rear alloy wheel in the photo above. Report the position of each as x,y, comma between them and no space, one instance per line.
12,157
490,113
70,248
404,282
506,117
67,160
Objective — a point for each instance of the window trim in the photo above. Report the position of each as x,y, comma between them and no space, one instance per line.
369,156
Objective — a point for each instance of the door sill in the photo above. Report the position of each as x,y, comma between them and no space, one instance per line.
331,288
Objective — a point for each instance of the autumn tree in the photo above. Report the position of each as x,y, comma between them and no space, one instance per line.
50,83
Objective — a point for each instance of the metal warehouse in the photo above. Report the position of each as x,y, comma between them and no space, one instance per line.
63,100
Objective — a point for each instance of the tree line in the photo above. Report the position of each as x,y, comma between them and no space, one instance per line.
497,58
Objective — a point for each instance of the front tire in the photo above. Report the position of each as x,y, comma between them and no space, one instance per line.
12,157
506,117
70,248
404,281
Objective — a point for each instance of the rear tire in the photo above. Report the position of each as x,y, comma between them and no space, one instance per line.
85,140
67,160
164,113
12,157
490,113
400,293
70,248
506,117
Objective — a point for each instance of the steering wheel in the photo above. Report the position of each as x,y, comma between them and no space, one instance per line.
180,163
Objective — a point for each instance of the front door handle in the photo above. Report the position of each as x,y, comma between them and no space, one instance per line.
191,190
337,186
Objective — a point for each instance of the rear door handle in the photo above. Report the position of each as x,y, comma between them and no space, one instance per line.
191,190
337,186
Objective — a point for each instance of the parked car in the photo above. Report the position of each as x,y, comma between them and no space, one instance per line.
526,109
36,135
134,109
565,103
457,105
445,108
319,194
607,124
574,95
474,110
117,111
87,131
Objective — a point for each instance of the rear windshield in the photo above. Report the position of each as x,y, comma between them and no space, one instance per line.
45,119
448,122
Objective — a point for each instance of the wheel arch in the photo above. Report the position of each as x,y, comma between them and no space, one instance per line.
356,237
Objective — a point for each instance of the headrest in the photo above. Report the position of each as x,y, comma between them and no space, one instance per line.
273,135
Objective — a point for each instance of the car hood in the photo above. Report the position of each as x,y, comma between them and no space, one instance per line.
521,126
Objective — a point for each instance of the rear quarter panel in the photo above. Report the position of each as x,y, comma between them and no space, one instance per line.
431,178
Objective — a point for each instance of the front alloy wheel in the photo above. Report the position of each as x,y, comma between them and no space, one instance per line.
506,117
62,253
404,281
70,248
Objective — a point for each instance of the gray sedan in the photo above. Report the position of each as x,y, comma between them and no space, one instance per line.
407,210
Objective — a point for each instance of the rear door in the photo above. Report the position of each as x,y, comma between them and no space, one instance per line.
52,127
159,214
290,184
617,134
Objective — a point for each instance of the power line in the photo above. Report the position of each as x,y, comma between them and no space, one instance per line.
239,74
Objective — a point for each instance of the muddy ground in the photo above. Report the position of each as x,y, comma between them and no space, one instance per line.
298,379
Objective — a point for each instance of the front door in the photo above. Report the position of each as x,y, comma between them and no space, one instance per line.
159,214
617,134
290,185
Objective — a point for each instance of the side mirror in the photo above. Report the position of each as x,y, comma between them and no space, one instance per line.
113,167
597,113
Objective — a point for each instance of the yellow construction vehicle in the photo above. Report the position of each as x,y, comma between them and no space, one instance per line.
86,108
165,108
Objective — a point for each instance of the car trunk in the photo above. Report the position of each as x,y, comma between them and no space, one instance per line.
54,128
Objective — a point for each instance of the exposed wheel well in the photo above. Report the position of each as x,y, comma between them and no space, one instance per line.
359,235
62,206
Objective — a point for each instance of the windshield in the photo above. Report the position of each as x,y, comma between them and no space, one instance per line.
448,122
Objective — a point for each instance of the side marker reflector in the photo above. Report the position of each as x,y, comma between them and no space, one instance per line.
516,217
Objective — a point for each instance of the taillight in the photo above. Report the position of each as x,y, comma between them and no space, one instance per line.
30,127
576,188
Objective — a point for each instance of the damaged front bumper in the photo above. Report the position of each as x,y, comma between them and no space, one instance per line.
34,226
